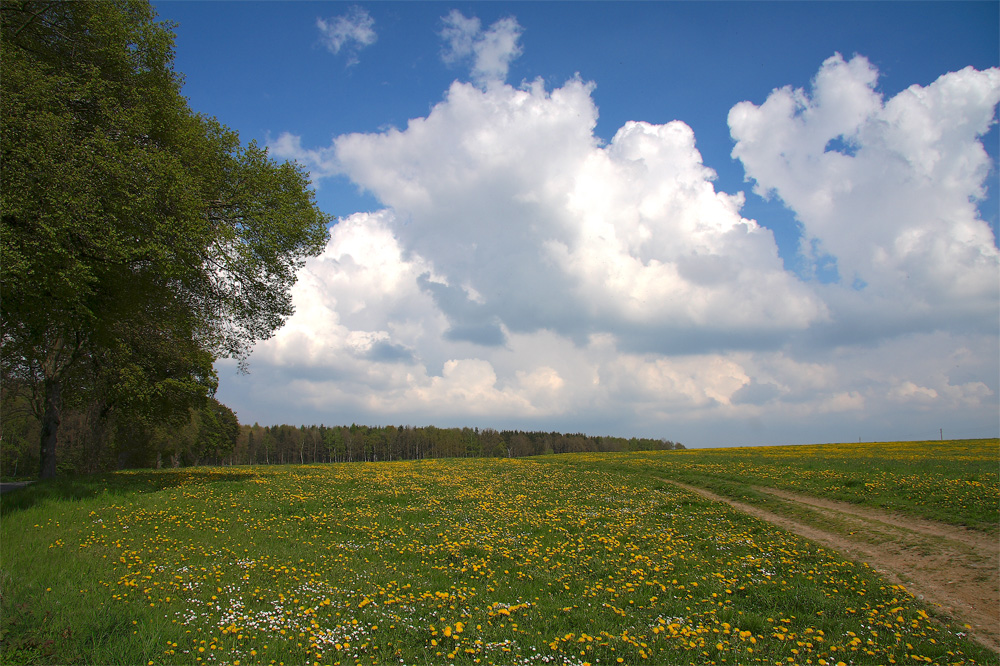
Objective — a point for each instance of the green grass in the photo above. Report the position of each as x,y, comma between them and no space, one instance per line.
562,559
956,482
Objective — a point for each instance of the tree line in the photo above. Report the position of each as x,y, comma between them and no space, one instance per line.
285,444
94,439
212,435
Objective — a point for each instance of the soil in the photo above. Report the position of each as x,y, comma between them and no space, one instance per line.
955,569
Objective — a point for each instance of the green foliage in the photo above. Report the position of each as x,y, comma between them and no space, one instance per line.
217,432
140,240
19,433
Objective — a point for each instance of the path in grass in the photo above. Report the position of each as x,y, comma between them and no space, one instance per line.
952,567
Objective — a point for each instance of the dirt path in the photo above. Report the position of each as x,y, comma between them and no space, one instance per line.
13,485
951,567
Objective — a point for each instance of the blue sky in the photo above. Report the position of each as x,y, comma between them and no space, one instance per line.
653,317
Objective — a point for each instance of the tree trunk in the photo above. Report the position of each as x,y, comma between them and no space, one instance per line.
50,427
53,373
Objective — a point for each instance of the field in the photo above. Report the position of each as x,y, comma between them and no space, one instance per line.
953,481
570,559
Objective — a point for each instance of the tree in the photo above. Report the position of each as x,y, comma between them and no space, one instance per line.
218,431
140,240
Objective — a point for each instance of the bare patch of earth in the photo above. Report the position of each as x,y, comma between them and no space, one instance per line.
955,569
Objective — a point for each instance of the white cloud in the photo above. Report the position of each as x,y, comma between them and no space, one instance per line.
491,52
459,34
524,274
351,32
320,162
887,188
507,193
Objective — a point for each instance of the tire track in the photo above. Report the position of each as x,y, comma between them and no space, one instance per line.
955,569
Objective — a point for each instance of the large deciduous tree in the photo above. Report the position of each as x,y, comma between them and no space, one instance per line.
141,241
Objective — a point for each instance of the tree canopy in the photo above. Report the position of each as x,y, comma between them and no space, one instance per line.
141,241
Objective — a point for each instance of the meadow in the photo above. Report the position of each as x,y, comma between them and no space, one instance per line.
568,559
953,481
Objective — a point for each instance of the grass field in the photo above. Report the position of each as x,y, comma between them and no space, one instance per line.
584,558
956,482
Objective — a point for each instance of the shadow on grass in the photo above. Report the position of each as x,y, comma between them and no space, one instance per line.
115,483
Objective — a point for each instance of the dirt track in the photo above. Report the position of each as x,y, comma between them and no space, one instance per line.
951,567
13,485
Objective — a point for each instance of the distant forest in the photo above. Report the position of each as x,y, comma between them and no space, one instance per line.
90,442
306,444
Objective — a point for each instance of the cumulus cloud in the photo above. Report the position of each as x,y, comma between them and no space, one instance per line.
507,192
351,32
320,162
491,52
887,189
523,273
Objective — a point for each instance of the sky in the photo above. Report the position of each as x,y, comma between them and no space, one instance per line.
715,223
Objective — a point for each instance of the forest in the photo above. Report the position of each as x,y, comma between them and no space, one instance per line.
90,442
306,444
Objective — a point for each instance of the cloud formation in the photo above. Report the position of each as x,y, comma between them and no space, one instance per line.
523,273
887,189
508,194
350,32
491,52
